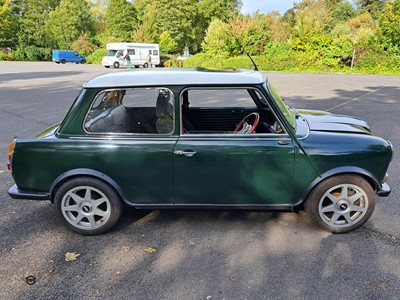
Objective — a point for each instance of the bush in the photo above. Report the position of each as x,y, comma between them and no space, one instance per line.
96,56
32,53
3,56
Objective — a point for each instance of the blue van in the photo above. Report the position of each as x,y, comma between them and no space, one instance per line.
63,56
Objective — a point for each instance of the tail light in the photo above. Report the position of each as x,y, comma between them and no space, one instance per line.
10,153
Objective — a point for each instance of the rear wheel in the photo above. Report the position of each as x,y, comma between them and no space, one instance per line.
87,205
63,61
83,61
341,204
116,65
146,65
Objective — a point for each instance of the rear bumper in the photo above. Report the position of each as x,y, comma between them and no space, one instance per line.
384,191
15,193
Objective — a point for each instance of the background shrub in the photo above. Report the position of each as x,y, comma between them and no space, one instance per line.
96,56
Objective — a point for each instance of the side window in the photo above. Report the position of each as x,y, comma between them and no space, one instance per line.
131,51
132,111
119,53
150,52
155,52
221,98
226,111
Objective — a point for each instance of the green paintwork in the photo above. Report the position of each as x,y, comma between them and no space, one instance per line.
273,170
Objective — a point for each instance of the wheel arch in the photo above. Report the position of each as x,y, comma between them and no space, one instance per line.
87,173
368,176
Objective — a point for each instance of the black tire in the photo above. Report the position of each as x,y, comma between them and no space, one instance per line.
57,62
136,66
116,65
83,61
146,65
87,214
63,61
107,67
341,203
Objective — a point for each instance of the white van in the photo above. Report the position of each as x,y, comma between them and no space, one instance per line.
137,52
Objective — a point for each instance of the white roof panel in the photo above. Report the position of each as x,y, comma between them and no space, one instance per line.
168,76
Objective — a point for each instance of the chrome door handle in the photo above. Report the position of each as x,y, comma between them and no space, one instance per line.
184,153
283,142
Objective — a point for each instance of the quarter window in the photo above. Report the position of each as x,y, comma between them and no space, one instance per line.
132,111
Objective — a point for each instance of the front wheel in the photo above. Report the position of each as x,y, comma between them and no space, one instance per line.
116,65
341,204
87,205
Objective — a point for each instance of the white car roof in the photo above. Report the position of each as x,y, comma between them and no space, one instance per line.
168,76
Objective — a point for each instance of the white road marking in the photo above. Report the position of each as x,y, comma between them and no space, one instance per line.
356,99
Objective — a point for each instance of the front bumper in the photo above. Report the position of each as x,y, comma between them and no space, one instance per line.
384,190
15,193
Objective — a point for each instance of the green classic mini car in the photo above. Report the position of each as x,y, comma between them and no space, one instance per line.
196,138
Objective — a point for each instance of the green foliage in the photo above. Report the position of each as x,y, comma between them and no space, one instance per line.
314,35
6,55
120,19
167,43
96,56
218,41
185,20
32,53
389,25
35,15
169,61
83,45
8,24
67,22
373,7
223,39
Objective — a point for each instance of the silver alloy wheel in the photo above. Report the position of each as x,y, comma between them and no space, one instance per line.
86,207
343,205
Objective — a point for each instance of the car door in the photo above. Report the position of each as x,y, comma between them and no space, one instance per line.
230,169
132,138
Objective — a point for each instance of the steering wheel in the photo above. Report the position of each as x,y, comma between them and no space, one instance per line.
245,127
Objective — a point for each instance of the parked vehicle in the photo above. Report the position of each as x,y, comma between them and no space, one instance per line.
139,54
63,56
196,138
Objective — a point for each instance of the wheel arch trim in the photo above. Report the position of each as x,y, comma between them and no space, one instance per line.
371,179
85,172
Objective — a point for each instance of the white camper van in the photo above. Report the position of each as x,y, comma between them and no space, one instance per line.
137,52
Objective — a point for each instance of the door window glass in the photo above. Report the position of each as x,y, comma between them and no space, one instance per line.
227,111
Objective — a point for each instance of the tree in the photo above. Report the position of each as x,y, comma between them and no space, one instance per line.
8,28
278,27
218,40
83,45
167,44
312,20
374,7
67,22
343,11
217,9
175,16
34,16
250,31
120,21
389,25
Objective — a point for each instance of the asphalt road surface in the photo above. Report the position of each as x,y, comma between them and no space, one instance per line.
196,254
